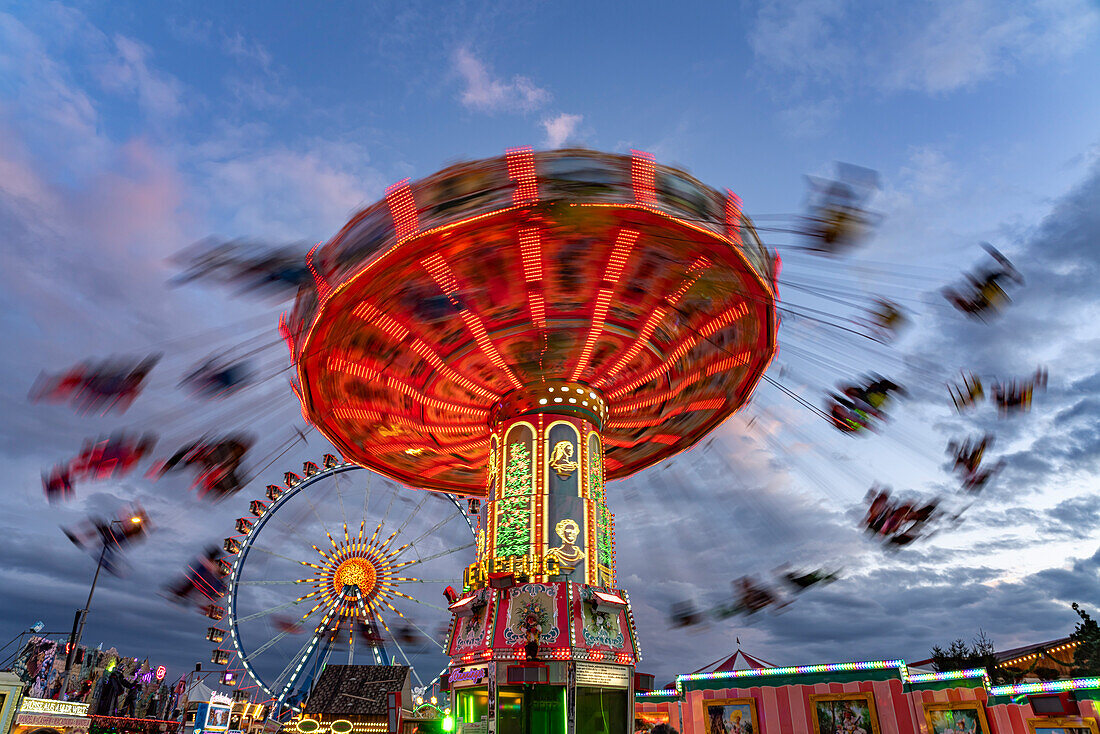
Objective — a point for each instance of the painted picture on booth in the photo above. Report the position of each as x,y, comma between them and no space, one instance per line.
844,713
730,716
644,721
956,717
1063,725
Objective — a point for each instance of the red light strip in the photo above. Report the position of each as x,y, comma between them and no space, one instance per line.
624,241
643,175
521,169
355,369
694,271
284,331
530,247
410,421
643,336
730,315
712,404
666,439
686,381
402,206
733,217
323,288
368,373
721,365
392,327
369,312
441,273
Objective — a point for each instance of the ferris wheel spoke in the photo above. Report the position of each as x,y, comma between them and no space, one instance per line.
272,610
406,659
267,645
317,515
422,631
441,554
418,601
280,555
385,516
307,645
412,514
340,501
429,531
264,582
293,531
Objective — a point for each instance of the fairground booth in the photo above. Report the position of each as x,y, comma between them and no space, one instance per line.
871,697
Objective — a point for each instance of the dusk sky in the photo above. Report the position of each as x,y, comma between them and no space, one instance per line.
128,131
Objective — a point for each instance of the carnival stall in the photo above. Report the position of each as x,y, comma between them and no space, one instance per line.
870,697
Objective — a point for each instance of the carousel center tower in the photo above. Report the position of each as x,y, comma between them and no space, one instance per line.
519,331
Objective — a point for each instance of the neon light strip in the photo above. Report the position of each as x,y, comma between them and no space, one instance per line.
947,675
655,317
624,241
364,372
395,329
653,694
733,218
1053,686
403,209
521,169
794,670
643,175
530,248
323,288
441,273
732,314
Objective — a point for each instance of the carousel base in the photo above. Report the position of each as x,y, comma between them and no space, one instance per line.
578,680
544,698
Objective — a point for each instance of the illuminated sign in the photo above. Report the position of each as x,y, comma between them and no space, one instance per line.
217,718
604,676
221,698
475,575
48,706
474,675
161,671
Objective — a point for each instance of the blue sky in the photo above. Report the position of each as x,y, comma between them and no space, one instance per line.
130,130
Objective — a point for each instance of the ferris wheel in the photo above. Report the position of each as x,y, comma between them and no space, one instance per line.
337,561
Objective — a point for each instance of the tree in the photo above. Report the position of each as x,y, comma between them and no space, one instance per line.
960,656
1086,656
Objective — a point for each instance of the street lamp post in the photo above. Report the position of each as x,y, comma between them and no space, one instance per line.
82,614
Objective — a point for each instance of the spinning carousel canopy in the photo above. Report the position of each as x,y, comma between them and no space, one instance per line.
563,281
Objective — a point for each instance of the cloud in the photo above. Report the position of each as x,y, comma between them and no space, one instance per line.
484,93
560,128
245,49
933,47
814,55
158,94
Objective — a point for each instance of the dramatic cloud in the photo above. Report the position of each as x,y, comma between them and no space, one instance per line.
482,92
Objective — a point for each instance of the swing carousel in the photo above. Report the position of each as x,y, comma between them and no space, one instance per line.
519,331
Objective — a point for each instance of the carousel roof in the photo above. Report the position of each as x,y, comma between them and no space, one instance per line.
632,281
739,660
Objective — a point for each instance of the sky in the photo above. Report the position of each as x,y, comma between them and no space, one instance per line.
128,131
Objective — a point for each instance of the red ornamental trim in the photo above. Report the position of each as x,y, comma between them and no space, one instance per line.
733,217
643,176
521,169
403,209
